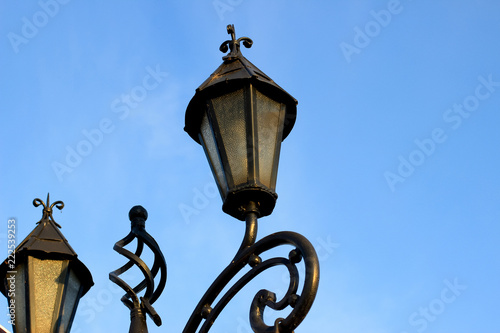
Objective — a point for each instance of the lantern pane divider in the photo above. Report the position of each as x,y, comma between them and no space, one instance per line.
252,136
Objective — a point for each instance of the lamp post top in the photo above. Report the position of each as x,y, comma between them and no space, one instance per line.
46,238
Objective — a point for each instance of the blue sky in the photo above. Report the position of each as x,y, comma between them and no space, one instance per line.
391,170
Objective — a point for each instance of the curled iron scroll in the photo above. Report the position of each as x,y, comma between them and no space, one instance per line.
206,313
47,208
233,45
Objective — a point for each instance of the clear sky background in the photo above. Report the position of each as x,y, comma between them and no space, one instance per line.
391,170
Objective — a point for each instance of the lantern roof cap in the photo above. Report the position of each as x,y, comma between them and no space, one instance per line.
235,65
46,237
46,241
235,71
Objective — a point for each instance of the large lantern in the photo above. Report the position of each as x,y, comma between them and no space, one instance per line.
43,279
240,117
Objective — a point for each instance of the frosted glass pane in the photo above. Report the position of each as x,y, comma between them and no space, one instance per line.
269,120
70,300
211,150
229,111
19,297
46,286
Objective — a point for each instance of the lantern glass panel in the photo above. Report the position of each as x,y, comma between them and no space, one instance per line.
19,296
270,115
70,303
46,284
207,140
229,114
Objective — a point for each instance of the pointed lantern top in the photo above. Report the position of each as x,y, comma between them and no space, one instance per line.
233,73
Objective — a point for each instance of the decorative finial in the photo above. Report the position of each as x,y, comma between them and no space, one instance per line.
234,44
47,209
138,216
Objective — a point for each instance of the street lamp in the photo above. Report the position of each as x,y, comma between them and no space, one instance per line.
240,116
43,279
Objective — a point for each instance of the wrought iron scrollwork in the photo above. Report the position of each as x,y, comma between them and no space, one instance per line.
234,44
249,253
138,306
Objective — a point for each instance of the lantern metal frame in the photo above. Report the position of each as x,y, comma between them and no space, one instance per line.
236,74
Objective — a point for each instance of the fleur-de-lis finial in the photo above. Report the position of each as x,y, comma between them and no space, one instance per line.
234,44
47,208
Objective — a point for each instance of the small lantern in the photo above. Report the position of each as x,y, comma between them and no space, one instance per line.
240,117
44,280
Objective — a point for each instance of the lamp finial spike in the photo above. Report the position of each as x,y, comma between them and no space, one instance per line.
47,209
234,44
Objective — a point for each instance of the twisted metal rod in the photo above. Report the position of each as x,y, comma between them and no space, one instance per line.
139,306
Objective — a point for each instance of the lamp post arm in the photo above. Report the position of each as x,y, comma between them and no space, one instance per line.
251,227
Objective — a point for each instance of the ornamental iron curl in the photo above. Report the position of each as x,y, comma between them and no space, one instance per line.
234,44
138,306
205,313
47,209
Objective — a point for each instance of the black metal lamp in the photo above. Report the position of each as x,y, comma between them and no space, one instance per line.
44,278
240,117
